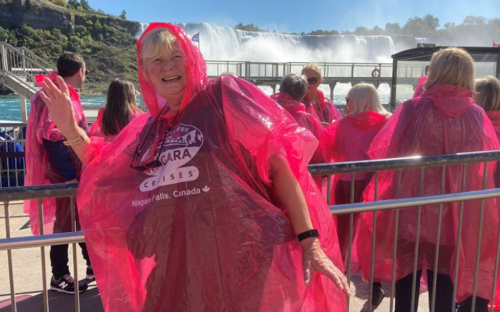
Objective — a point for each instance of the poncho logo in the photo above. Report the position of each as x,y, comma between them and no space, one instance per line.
181,145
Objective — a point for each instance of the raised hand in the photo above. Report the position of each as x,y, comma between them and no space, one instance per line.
314,258
61,110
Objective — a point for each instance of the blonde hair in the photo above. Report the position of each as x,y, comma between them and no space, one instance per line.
487,93
156,43
451,66
314,67
365,98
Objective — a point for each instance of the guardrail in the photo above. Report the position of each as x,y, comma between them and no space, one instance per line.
64,190
329,70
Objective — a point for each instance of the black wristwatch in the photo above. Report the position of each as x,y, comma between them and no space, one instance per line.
307,234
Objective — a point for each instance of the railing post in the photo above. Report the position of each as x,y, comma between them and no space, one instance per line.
4,57
24,110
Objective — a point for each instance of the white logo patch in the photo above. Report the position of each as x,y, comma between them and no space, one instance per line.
181,145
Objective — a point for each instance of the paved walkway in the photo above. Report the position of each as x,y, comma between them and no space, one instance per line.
29,286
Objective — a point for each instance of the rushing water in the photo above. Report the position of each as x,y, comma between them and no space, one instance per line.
10,105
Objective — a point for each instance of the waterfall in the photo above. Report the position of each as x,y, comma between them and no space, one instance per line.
225,43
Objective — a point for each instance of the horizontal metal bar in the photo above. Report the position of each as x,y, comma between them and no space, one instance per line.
77,237
13,124
404,162
11,154
41,240
414,201
38,191
65,190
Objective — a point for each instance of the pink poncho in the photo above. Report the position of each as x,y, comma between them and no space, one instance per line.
420,86
38,172
327,111
96,128
204,231
444,120
306,120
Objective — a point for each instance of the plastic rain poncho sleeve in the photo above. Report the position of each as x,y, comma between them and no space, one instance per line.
40,127
204,231
444,120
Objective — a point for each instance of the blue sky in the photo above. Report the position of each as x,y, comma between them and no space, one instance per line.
298,16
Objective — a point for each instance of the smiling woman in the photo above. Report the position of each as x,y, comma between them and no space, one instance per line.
165,66
253,233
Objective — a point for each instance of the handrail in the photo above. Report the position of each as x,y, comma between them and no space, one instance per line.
18,52
34,56
69,189
77,237
403,162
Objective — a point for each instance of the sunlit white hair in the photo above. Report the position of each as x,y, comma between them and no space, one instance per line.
157,42
365,98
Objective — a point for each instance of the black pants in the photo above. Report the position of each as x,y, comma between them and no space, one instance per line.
481,305
59,259
444,292
62,224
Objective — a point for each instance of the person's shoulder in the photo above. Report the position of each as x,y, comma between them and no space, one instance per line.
476,110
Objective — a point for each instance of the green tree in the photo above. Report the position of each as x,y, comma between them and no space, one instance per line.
317,33
449,26
377,31
62,3
431,23
123,15
248,27
73,4
474,21
393,29
4,34
415,26
86,6
362,31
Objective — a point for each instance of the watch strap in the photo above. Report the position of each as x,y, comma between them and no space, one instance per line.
307,234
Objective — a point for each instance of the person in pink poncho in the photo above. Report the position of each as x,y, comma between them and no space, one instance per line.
444,120
119,111
292,90
49,161
351,137
205,204
487,96
420,84
316,103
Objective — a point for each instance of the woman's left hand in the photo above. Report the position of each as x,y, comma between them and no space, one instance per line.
314,258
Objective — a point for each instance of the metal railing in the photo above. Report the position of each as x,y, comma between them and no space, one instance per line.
421,163
330,70
12,155
23,65
400,164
